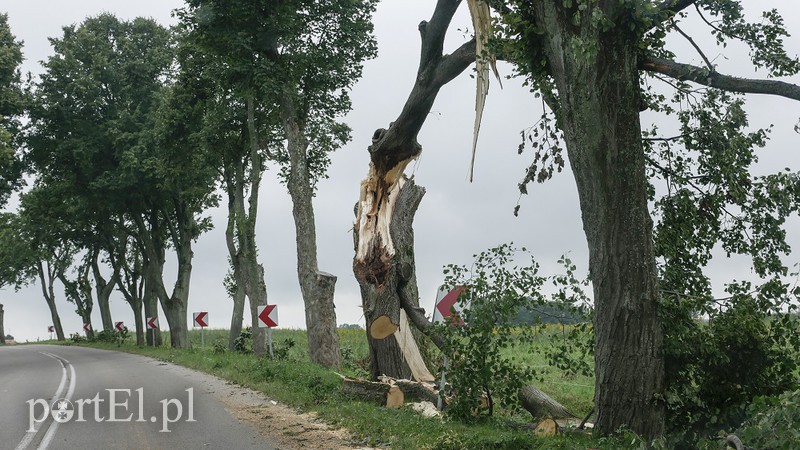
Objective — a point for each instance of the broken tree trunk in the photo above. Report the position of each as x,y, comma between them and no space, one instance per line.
540,405
384,266
384,261
385,394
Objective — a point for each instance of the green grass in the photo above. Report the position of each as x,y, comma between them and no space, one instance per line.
298,383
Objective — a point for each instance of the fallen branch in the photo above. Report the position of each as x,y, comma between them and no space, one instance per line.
540,405
414,389
385,394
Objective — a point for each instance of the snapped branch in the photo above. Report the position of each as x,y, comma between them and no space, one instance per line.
705,77
399,142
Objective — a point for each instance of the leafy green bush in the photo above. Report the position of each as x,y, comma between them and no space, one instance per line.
244,342
773,423
495,290
715,369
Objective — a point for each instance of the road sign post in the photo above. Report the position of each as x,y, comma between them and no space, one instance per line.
268,317
201,320
152,324
446,301
51,329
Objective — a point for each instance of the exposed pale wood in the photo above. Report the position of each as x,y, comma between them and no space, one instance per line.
410,350
384,394
547,427
540,405
414,389
382,327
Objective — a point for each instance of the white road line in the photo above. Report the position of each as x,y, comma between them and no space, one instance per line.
23,444
51,431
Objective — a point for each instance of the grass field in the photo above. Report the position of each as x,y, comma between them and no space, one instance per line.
299,383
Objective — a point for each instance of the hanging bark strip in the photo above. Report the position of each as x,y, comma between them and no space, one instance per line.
384,237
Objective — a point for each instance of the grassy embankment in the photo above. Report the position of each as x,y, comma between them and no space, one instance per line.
296,382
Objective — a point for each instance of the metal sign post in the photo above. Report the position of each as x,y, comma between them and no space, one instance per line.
440,402
269,341
268,317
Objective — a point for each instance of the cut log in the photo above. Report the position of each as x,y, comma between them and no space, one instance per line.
388,395
540,405
413,389
547,427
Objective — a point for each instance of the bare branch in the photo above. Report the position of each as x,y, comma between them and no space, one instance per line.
717,80
696,47
674,6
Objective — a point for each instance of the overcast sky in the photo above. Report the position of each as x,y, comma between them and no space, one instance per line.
456,218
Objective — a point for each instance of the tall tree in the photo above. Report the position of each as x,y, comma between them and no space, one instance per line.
302,57
98,125
586,59
11,108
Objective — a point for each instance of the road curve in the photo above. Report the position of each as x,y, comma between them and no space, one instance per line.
114,400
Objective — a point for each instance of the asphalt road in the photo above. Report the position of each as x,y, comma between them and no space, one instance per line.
115,400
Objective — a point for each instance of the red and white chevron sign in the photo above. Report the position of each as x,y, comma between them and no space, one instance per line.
268,316
446,303
152,322
51,329
201,319
119,326
87,327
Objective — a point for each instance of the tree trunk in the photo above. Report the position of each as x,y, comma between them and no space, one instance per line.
385,269
152,280
599,114
136,306
317,287
237,316
541,405
175,305
257,295
240,234
2,331
104,290
384,394
46,279
176,311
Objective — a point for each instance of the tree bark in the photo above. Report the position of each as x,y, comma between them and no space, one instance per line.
541,405
237,317
104,290
384,394
136,306
599,114
153,268
316,286
46,279
2,330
